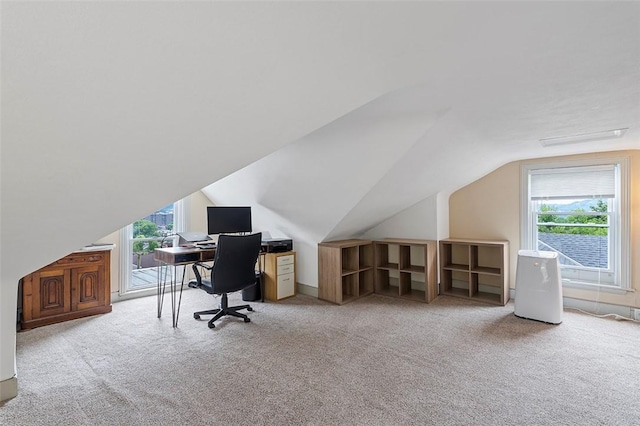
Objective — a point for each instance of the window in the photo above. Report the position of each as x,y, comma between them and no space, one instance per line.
141,238
579,209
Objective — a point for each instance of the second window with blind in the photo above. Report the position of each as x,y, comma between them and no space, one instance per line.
579,209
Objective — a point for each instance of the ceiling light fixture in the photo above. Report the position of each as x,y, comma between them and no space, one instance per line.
584,137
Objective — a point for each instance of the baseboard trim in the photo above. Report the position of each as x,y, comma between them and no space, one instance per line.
596,308
8,388
117,297
307,290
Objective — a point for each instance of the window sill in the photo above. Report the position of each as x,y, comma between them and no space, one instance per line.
596,287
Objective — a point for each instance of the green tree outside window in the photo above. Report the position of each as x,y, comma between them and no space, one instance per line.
144,229
559,220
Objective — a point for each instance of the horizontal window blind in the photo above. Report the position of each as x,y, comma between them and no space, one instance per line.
573,183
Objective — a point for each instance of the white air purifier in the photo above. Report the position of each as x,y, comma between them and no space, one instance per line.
538,286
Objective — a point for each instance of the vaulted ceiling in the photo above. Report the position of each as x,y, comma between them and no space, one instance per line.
492,81
331,116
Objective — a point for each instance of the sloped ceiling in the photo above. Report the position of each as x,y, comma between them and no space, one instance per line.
516,74
113,109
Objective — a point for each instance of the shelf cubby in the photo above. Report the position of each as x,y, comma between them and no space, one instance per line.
486,259
486,288
386,282
386,256
349,260
404,257
455,257
412,286
455,283
349,287
365,256
365,282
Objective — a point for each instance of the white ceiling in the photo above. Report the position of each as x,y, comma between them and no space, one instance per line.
346,112
497,79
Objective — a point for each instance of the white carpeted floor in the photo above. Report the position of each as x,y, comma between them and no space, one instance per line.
375,361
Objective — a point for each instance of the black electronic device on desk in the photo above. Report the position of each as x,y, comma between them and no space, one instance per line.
228,220
206,245
277,245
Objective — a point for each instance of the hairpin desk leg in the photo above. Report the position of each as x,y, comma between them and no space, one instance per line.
162,283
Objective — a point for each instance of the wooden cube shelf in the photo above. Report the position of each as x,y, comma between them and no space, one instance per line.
349,269
475,269
345,270
406,268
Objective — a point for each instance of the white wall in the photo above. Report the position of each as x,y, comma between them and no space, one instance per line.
489,208
442,207
419,221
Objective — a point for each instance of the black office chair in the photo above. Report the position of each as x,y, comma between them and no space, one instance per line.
233,270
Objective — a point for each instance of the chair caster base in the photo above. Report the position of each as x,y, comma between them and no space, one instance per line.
222,311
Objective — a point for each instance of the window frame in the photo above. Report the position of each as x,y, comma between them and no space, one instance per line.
181,214
620,247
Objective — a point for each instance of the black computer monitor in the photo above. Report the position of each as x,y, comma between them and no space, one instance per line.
228,220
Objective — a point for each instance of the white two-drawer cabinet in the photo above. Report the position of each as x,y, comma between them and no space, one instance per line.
280,275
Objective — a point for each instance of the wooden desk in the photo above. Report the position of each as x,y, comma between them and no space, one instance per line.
175,257
182,256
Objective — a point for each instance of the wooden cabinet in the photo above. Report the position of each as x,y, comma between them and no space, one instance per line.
475,269
280,275
345,270
406,268
75,286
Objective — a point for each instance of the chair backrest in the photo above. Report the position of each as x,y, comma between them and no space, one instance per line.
235,261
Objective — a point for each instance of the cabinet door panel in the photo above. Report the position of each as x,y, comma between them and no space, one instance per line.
87,287
52,293
286,285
